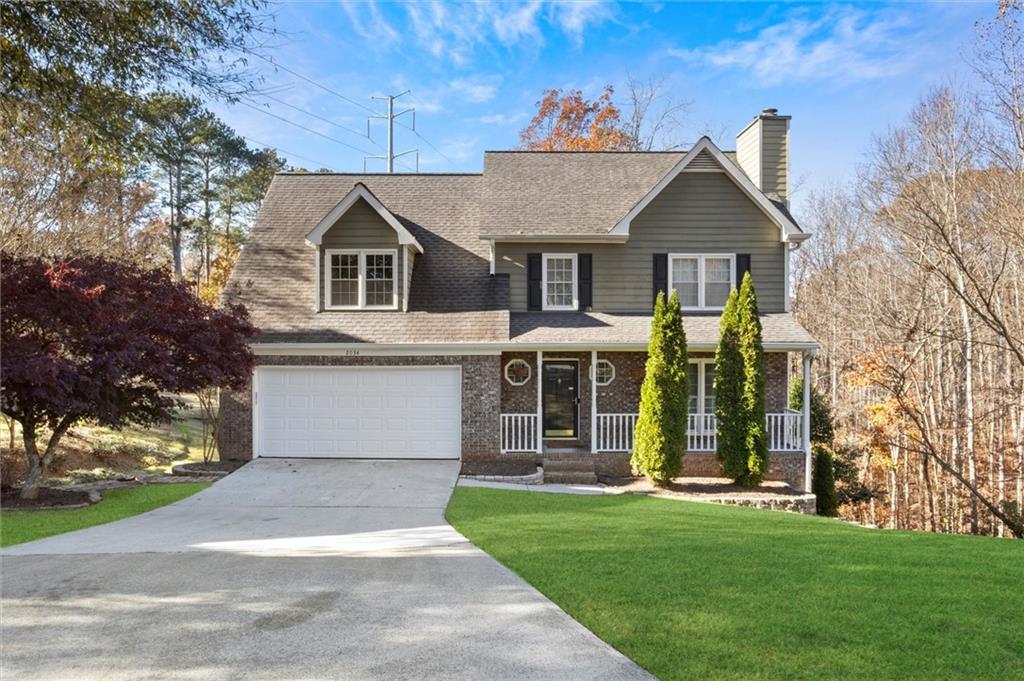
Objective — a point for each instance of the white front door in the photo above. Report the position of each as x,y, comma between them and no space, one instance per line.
358,412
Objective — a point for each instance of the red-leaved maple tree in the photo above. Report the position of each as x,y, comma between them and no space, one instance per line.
109,342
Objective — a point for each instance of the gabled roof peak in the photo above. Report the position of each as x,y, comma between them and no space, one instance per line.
361,191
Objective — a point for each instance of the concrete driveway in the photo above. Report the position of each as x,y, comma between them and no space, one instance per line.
288,569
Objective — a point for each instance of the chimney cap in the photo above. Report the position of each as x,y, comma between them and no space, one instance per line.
770,111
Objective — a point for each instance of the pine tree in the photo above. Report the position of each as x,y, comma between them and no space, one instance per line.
752,350
660,436
730,421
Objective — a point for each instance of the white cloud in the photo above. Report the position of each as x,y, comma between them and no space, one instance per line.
473,91
843,43
501,118
574,16
369,24
454,31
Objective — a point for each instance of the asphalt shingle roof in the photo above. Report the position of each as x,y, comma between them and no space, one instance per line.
453,298
598,328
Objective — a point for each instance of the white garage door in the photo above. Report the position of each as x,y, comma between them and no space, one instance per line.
360,412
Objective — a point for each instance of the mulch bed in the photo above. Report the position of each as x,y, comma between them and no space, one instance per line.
498,468
48,498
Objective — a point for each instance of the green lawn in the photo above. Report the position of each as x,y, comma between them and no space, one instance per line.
22,526
692,591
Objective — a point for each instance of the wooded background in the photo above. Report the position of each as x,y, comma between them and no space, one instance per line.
913,285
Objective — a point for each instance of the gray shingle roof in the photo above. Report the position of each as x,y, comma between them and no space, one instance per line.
603,328
566,193
452,298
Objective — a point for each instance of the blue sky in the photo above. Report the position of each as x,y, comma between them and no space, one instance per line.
844,72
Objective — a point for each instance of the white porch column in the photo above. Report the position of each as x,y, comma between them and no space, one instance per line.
807,421
540,411
593,401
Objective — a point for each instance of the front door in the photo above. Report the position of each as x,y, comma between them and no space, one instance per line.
560,396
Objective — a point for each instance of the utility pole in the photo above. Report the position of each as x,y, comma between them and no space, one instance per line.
390,117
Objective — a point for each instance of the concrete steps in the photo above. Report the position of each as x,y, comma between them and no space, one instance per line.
569,472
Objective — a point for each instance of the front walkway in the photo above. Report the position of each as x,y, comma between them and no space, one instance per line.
288,569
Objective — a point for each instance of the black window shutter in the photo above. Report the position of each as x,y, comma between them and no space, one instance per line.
742,267
586,280
533,266
660,282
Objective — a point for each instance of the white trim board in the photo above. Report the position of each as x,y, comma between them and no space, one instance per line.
359,191
454,349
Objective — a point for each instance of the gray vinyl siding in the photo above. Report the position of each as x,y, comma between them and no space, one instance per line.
774,154
361,228
696,213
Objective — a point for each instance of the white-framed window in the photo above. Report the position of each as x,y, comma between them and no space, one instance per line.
701,379
604,372
360,280
518,371
703,282
558,282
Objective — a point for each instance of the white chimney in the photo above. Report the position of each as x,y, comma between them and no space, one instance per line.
762,149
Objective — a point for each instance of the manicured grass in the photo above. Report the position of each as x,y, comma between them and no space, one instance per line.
693,591
22,526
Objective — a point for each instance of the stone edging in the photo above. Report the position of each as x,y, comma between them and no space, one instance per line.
536,478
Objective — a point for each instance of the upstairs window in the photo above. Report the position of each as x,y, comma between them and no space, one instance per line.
558,283
357,280
703,282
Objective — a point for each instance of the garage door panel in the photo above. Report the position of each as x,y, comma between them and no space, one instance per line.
359,412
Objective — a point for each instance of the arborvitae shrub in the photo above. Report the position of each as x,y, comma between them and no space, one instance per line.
660,438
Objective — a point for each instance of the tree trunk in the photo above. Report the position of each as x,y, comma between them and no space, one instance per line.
37,464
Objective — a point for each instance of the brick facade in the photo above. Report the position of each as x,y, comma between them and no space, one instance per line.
486,394
481,425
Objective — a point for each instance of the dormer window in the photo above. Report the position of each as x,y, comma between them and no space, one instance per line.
703,282
360,280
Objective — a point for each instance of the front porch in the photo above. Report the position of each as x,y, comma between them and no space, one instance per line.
584,405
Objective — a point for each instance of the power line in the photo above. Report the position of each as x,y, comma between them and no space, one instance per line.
325,120
288,153
428,143
303,127
313,82
389,154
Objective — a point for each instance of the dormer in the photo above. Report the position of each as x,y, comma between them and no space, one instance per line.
365,256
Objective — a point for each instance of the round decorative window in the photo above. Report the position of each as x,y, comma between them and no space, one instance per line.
604,372
517,372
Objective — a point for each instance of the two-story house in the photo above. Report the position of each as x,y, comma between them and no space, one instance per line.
505,315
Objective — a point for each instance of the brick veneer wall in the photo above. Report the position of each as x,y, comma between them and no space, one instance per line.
776,385
519,399
785,466
480,401
622,395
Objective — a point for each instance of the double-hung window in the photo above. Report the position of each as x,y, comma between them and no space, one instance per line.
356,280
701,379
558,282
703,282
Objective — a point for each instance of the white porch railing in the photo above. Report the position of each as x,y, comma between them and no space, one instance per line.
518,433
785,431
615,432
